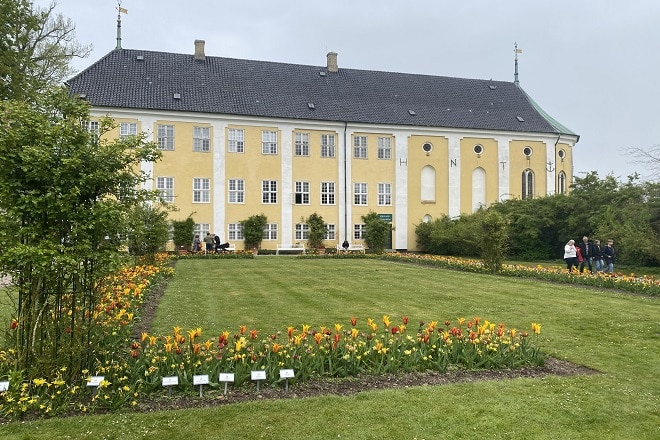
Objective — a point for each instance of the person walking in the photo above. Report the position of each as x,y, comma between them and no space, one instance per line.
598,256
608,256
586,249
570,255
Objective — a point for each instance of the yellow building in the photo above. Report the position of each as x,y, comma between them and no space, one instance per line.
242,137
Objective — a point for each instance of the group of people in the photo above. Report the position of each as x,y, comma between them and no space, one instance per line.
590,254
210,243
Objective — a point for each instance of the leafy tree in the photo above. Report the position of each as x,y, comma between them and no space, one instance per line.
316,231
183,233
149,230
63,190
494,241
36,46
253,230
377,232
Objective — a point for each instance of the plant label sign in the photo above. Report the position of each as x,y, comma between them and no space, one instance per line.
95,381
201,379
258,375
4,386
226,377
286,374
170,381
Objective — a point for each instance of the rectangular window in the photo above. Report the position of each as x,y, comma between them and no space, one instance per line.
302,231
269,192
166,137
270,231
360,194
236,140
166,187
202,229
202,139
384,194
91,126
201,190
302,193
327,193
384,148
268,142
360,147
329,232
127,129
234,231
236,191
327,145
358,231
302,144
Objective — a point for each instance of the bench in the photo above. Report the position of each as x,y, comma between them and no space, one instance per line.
351,248
290,248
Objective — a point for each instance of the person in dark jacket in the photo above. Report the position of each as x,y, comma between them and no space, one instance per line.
598,256
587,251
608,256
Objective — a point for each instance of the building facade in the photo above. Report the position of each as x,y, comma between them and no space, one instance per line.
243,137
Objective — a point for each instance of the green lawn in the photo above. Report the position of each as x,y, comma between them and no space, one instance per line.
615,333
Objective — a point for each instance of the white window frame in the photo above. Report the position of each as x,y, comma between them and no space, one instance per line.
385,148
166,187
236,140
201,190
302,231
330,232
202,139
201,229
360,147
359,230
127,129
327,193
270,232
301,193
236,191
301,144
384,194
91,126
360,194
165,135
528,182
234,232
327,145
269,142
269,192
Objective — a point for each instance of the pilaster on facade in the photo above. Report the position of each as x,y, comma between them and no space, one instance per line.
401,190
551,153
504,168
219,180
286,183
343,185
147,126
454,172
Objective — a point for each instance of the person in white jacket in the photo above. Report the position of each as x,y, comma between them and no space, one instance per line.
570,255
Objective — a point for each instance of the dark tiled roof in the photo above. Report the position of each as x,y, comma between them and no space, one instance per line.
148,80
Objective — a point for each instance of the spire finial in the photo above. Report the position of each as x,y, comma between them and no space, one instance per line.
120,11
516,51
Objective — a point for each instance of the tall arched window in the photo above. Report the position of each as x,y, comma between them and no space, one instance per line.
527,184
561,183
428,184
478,189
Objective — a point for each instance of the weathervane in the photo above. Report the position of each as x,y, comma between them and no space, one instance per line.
516,51
120,11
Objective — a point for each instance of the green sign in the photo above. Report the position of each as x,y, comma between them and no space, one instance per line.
386,217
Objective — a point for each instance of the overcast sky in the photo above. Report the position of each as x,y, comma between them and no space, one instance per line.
593,65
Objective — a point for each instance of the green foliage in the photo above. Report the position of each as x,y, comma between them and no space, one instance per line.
377,232
62,192
445,236
149,230
183,232
253,230
36,46
316,231
494,240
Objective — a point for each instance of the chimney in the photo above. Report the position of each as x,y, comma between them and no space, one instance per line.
332,62
199,50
